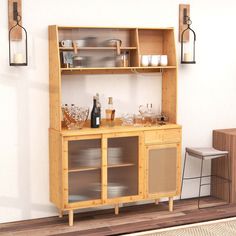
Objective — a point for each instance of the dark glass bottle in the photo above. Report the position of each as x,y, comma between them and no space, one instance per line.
95,115
99,106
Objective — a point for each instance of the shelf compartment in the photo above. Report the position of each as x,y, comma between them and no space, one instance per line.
84,155
100,35
157,42
80,185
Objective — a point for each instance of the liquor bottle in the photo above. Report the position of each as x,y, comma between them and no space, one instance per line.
110,113
95,120
99,107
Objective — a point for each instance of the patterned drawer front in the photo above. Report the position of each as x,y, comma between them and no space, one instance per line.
162,136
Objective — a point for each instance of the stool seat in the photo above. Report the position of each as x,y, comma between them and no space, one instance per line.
205,152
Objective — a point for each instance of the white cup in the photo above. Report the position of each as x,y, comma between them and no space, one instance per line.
80,43
164,60
155,60
145,59
66,43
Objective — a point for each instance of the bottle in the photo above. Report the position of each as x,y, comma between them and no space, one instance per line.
110,113
95,120
99,106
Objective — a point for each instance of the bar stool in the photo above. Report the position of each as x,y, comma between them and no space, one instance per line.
205,154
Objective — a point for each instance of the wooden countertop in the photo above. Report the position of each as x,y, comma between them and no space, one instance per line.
231,131
116,129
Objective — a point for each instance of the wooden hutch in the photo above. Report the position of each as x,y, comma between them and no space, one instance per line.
149,166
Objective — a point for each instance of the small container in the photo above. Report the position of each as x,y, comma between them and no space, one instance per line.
164,60
122,60
138,120
127,119
79,61
109,62
155,60
145,60
112,42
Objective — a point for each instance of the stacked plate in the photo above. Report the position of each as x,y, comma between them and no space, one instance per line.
114,155
113,189
87,157
92,157
77,198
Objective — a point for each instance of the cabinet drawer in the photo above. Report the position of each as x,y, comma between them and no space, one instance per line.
162,136
173,135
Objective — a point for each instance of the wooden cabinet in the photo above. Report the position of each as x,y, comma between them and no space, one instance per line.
224,139
112,165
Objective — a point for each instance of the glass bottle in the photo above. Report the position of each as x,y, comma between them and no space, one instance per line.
110,113
99,106
95,120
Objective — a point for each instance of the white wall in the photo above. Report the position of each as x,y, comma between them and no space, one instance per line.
206,91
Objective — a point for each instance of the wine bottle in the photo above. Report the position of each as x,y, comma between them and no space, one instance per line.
99,107
95,115
110,113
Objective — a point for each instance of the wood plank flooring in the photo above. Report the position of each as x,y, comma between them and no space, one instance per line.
131,219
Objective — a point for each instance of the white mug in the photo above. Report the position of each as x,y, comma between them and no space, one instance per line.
145,60
155,60
66,43
164,60
80,42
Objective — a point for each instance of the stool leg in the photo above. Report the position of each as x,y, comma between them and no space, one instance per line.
228,159
200,185
185,156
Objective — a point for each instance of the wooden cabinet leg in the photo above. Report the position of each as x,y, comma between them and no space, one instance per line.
60,213
117,209
171,202
71,217
157,201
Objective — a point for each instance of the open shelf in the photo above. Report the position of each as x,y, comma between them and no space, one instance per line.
88,168
121,165
83,168
96,48
113,70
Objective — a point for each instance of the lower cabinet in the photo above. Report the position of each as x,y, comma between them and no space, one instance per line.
110,169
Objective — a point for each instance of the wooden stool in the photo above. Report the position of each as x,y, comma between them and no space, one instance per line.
205,154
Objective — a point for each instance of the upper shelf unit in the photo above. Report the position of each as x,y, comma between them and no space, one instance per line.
83,50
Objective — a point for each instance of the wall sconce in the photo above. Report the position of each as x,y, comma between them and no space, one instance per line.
18,52
187,36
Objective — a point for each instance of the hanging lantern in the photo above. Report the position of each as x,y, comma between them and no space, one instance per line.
18,53
188,46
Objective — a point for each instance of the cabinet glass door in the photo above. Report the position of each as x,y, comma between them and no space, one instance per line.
122,162
162,170
84,170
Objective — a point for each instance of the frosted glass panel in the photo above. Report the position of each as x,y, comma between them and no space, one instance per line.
162,170
122,161
84,177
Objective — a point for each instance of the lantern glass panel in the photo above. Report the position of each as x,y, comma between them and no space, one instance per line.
18,48
188,48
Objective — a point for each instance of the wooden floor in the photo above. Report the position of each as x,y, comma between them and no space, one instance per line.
131,219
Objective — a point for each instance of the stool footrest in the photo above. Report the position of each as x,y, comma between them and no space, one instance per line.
207,176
